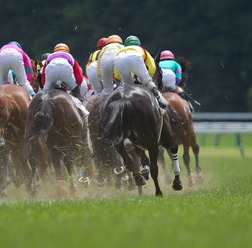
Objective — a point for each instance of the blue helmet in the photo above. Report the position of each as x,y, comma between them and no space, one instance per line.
15,44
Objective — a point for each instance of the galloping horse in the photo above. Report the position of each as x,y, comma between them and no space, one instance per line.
14,103
131,111
181,122
55,126
182,126
106,158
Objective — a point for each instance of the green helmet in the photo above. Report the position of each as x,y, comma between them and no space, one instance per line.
132,40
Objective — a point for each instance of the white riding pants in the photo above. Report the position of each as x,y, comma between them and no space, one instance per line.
107,70
93,78
59,70
11,59
130,61
169,80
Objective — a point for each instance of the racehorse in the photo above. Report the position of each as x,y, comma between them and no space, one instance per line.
55,132
181,122
182,125
131,111
106,159
34,82
14,103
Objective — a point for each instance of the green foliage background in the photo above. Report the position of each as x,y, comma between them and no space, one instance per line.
214,35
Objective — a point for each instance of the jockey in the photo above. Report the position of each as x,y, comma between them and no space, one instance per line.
13,57
12,79
172,74
85,89
134,59
91,67
105,65
40,68
61,67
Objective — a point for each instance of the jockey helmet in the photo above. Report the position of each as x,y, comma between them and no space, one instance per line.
61,47
132,40
15,44
114,39
45,56
43,59
101,43
166,54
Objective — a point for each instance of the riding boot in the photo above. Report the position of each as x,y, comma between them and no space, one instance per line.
76,93
161,100
157,95
183,96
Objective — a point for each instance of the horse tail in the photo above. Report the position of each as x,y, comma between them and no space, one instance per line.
5,103
113,119
43,120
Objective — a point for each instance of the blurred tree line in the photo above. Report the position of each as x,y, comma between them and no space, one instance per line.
215,36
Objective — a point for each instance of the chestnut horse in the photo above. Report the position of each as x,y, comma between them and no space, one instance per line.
182,125
56,132
14,103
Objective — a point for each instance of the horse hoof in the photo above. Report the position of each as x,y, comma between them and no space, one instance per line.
159,193
199,179
139,180
118,170
85,181
125,180
100,182
177,184
145,172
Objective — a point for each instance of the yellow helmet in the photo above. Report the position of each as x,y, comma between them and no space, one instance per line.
61,47
114,39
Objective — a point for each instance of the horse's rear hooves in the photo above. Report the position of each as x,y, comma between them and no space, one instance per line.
159,193
199,179
177,184
85,181
100,183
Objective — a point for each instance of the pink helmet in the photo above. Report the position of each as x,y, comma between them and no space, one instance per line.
166,54
101,43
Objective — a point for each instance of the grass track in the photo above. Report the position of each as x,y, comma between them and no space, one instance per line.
215,214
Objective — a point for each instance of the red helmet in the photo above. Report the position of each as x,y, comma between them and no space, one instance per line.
166,54
101,43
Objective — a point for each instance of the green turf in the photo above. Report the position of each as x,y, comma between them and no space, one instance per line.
215,214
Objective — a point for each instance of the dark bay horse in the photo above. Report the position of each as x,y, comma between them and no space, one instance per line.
131,111
56,132
14,103
105,157
182,126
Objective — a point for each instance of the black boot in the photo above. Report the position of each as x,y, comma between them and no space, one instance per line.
155,93
76,93
183,96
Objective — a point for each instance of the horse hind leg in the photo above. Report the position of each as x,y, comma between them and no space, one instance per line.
129,164
153,153
186,159
177,184
199,178
4,169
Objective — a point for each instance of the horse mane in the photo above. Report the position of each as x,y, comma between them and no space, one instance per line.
186,66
